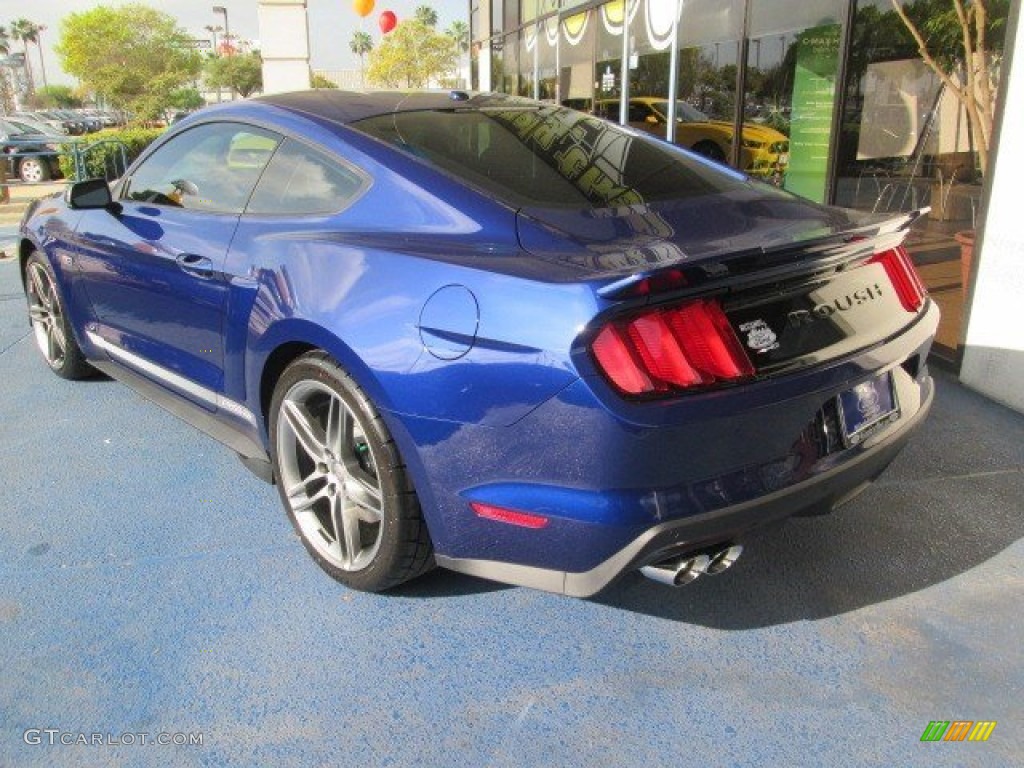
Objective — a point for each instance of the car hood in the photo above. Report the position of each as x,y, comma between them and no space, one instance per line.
611,243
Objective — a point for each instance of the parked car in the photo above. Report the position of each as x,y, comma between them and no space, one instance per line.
764,151
491,334
39,124
31,156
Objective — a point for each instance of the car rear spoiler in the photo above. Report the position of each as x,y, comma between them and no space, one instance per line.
762,265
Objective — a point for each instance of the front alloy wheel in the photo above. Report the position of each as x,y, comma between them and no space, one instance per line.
49,324
341,479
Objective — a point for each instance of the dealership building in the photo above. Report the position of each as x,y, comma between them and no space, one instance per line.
828,98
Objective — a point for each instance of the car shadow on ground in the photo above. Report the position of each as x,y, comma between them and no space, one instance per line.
816,568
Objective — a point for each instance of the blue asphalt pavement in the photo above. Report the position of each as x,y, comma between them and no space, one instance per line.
149,585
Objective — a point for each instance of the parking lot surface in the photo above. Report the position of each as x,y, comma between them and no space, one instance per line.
151,588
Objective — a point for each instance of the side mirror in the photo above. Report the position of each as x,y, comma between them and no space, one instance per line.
91,193
652,119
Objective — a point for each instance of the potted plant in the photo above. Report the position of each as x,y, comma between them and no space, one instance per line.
961,42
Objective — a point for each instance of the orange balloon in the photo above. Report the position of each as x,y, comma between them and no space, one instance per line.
362,7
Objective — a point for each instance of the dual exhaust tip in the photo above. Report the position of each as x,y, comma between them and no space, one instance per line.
680,571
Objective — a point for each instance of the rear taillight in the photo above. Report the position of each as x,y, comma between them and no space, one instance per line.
671,349
904,278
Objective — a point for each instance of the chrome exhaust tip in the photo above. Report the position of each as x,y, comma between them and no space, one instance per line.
724,559
678,572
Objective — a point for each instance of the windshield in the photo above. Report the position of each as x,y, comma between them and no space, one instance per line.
549,157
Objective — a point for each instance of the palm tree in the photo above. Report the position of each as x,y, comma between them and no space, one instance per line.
361,44
28,32
426,15
6,97
459,32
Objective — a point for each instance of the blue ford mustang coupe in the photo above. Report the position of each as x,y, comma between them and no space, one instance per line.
491,334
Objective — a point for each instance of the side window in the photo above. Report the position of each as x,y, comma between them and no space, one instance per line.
301,180
639,112
212,167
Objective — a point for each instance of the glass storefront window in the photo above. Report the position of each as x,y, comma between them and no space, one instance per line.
497,15
904,143
576,60
530,10
709,34
510,65
608,64
547,59
497,70
791,94
527,52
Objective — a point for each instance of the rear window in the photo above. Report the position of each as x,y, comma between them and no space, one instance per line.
549,157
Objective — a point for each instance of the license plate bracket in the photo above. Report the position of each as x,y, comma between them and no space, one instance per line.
866,407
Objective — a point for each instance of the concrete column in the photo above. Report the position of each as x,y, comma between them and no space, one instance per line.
993,360
284,45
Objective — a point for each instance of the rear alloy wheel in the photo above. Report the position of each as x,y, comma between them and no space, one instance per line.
50,325
33,169
342,480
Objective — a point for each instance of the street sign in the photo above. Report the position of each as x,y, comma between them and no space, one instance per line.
198,44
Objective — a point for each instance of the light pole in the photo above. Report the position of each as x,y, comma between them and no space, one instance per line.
227,29
213,30
39,43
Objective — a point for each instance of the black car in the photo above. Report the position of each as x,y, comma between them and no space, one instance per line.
32,157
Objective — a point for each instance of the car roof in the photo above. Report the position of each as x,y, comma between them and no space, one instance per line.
349,106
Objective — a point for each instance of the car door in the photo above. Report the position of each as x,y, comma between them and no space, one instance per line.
153,272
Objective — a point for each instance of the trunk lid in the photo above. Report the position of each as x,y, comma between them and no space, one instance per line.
793,278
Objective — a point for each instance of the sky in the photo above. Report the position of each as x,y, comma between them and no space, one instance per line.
331,23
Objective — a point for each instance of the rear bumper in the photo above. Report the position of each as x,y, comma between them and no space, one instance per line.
824,491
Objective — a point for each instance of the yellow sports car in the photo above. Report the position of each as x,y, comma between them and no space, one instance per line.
764,152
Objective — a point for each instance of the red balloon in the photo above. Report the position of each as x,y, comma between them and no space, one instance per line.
387,21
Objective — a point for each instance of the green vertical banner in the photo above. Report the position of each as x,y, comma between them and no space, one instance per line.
814,101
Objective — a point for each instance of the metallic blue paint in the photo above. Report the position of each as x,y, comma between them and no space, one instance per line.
465,322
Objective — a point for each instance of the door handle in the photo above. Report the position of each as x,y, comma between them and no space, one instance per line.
193,264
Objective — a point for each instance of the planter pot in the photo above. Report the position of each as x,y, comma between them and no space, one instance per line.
966,240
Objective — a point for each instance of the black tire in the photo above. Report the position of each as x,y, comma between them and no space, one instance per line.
327,462
710,150
50,324
34,169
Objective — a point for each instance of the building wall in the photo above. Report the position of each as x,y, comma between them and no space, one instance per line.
994,354
284,45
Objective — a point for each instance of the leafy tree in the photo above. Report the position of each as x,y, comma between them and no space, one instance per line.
959,40
458,31
242,73
361,44
185,99
57,96
319,81
132,55
27,32
411,56
426,16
